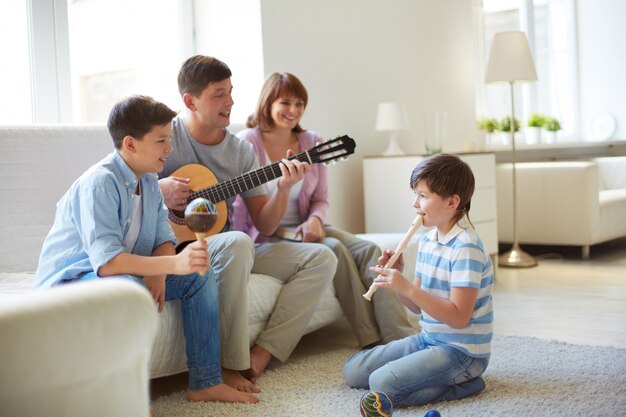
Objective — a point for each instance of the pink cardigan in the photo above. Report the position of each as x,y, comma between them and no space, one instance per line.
313,198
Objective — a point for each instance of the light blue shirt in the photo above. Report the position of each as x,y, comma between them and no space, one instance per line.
94,216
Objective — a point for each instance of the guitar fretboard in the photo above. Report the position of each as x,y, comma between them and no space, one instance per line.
249,180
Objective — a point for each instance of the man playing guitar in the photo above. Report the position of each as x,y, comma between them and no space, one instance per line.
200,137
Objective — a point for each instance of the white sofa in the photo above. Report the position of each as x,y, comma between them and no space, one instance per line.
575,203
64,353
38,164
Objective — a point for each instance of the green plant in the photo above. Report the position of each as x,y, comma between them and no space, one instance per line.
551,124
536,120
487,124
505,124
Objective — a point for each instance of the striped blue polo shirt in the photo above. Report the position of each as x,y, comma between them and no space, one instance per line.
457,259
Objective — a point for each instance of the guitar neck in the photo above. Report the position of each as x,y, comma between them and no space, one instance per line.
230,188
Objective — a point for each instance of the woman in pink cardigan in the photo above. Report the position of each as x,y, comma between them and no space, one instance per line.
275,128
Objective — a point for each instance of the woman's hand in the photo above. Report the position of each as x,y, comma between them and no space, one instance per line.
311,230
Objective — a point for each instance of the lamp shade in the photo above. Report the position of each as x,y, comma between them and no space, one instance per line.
391,116
510,59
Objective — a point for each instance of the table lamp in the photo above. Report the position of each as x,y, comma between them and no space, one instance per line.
510,61
392,117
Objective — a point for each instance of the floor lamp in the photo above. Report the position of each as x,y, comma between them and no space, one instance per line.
510,61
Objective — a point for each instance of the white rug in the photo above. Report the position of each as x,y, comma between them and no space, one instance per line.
526,377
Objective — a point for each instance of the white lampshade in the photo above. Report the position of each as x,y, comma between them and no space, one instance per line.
510,59
391,116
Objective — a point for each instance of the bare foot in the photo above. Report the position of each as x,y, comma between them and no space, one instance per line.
235,380
221,392
259,359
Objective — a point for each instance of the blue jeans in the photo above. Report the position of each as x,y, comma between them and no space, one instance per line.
413,372
198,296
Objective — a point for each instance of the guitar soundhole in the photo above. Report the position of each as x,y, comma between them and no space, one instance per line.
177,217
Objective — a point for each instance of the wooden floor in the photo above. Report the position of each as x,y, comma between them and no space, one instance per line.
564,297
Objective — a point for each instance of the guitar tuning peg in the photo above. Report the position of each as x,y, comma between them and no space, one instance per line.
327,163
343,158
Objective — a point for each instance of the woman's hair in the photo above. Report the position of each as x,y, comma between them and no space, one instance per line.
277,85
198,71
136,116
447,175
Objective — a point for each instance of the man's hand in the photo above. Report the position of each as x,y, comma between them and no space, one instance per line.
175,192
292,170
156,286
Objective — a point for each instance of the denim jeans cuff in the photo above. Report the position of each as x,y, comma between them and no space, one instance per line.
200,378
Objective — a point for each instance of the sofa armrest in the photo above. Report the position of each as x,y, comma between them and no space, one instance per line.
557,202
77,350
611,172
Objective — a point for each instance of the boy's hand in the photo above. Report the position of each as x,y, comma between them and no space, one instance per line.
156,286
175,192
194,258
392,279
387,254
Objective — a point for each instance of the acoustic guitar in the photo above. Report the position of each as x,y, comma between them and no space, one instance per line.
203,182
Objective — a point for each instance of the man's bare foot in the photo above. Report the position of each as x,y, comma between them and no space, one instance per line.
259,359
235,380
221,392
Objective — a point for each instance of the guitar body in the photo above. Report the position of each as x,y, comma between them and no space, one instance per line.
201,177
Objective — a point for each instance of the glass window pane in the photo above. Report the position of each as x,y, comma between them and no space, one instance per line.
122,47
15,100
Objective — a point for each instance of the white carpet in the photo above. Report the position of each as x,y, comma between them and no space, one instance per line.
526,377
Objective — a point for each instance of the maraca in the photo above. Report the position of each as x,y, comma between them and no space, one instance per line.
200,216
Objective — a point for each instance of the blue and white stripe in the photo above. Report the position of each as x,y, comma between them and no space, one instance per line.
458,259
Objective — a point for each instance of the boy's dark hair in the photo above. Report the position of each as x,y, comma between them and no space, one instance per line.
447,175
135,116
276,85
199,71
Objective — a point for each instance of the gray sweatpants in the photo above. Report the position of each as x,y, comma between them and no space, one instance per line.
382,319
305,270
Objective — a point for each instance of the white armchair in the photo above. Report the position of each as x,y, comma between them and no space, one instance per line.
578,203
77,350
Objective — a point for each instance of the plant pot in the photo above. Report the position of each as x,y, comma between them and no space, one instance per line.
549,136
532,135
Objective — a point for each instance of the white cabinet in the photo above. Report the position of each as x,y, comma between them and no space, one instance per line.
388,196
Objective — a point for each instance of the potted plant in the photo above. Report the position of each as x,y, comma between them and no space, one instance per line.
505,128
533,128
489,126
550,127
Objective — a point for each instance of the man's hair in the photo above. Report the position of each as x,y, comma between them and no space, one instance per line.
277,85
198,72
135,116
447,175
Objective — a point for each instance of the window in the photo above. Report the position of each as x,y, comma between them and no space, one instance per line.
78,57
550,28
15,83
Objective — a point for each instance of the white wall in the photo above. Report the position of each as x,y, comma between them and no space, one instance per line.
353,54
602,62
